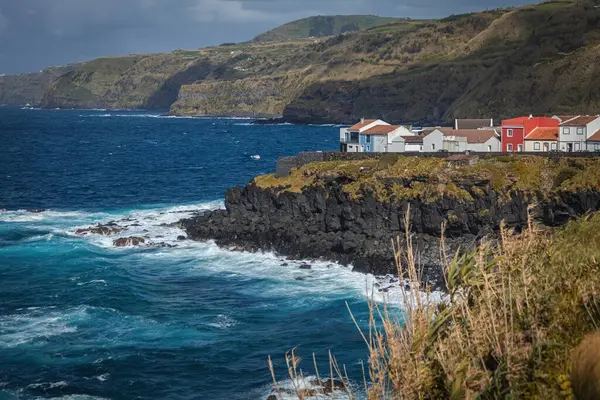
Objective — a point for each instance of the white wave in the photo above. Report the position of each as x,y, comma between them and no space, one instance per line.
103,377
255,157
322,281
223,322
92,282
157,226
37,325
35,216
286,390
47,385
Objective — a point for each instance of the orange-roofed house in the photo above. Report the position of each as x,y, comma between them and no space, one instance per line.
542,139
350,137
384,138
575,133
515,130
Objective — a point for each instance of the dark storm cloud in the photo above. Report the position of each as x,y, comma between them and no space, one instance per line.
38,33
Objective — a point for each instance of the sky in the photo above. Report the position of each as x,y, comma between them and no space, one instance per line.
35,34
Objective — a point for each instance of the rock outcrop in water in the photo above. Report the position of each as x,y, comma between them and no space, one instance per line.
324,221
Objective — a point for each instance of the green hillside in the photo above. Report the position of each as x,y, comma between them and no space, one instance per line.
539,59
322,26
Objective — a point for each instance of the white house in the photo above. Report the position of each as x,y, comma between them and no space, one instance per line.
460,140
383,138
574,132
542,139
350,137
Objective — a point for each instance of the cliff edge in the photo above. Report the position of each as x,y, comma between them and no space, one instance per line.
351,211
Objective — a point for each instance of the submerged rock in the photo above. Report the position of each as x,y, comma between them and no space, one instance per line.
110,228
129,241
305,266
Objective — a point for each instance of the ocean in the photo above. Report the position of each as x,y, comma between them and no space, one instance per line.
173,319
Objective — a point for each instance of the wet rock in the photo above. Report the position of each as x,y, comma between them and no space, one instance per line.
181,237
300,278
129,241
110,228
36,211
285,265
305,266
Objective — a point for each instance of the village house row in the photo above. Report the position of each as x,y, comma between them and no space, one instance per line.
524,134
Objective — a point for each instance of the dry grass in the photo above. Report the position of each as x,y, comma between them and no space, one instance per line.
514,313
514,317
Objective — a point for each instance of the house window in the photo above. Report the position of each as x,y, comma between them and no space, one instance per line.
597,146
509,147
519,147
546,147
509,133
489,148
368,138
432,146
566,131
536,146
553,146
580,131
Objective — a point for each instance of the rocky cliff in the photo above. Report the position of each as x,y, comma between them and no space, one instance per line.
336,211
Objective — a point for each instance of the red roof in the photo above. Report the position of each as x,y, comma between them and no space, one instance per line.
362,124
543,134
595,137
380,129
519,121
582,120
472,135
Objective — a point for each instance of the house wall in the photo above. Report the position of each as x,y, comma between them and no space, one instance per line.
572,141
593,146
433,142
397,146
413,147
491,145
516,139
530,145
376,143
455,146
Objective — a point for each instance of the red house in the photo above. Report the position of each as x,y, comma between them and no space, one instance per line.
515,130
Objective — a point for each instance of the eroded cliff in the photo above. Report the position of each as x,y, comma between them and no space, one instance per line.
351,211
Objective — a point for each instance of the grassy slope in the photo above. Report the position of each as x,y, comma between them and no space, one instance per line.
430,178
535,59
321,26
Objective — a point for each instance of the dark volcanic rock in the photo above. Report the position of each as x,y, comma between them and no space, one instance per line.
110,228
305,266
130,241
326,223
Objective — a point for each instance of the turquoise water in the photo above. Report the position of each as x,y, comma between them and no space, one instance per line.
80,318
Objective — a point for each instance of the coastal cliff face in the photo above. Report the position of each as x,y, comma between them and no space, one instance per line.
498,63
326,221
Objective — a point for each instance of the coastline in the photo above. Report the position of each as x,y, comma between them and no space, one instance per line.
323,221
